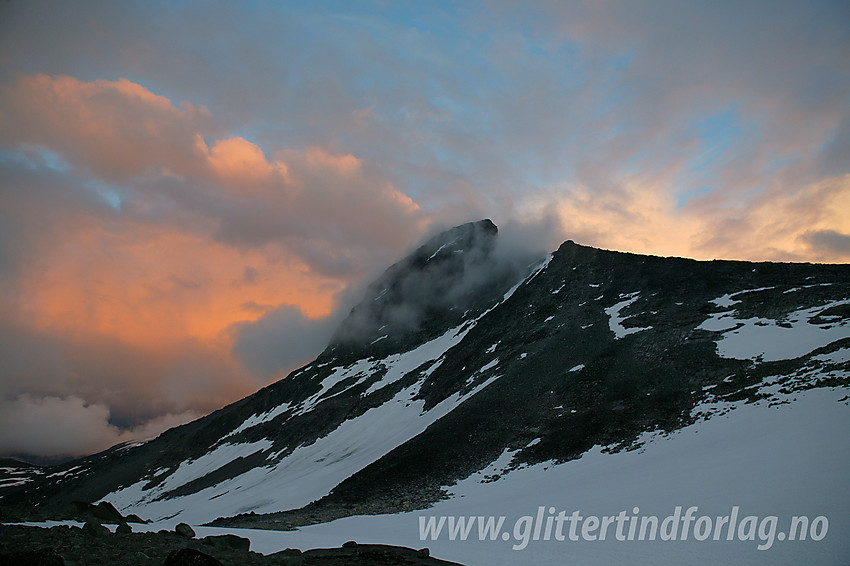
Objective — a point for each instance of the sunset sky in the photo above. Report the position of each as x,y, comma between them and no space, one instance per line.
193,193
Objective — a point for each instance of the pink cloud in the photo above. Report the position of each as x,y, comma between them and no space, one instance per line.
135,301
639,214
118,129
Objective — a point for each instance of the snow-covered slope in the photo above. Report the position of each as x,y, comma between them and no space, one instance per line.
768,461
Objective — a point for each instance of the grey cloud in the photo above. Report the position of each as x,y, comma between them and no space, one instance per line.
54,428
834,158
31,361
117,129
281,340
420,289
657,67
829,241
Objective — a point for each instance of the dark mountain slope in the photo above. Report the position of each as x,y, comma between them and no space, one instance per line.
651,379
447,363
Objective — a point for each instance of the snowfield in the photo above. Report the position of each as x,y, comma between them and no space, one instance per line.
772,340
766,460
310,471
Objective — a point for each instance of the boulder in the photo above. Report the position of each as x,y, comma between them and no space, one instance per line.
228,541
185,530
95,529
107,513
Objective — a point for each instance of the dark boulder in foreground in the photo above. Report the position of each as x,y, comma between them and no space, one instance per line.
190,557
33,546
228,541
185,530
43,557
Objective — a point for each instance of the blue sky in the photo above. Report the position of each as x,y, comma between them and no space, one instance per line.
188,185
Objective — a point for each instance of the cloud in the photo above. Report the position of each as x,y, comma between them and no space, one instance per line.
332,210
638,214
829,241
282,340
56,427
187,217
132,246
118,129
328,208
137,381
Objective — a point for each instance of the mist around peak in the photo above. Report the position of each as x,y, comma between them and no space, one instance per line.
451,276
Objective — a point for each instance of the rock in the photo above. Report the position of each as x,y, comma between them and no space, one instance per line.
43,557
185,530
228,541
286,553
349,544
132,518
124,529
107,513
103,512
372,554
190,557
95,529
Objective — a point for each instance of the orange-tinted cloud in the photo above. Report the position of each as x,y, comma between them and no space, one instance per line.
178,255
118,129
150,285
133,268
242,165
640,215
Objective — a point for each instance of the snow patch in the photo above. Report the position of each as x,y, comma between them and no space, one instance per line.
399,365
254,420
727,300
441,248
134,496
615,321
773,340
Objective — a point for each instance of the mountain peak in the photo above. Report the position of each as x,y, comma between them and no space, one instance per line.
430,290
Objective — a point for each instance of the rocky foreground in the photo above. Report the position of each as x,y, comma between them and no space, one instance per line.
94,544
